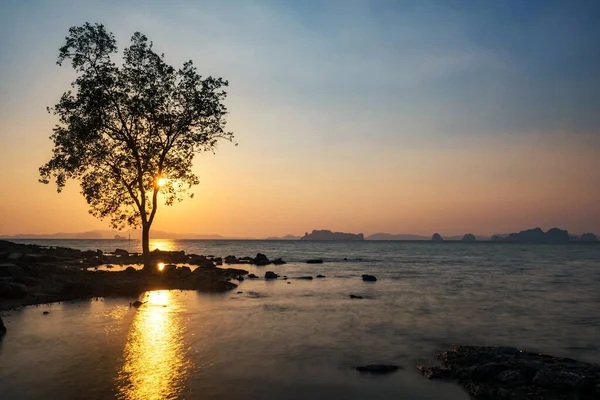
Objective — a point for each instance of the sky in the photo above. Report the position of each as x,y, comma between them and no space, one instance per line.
357,116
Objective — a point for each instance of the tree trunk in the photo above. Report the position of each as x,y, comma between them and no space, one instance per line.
146,247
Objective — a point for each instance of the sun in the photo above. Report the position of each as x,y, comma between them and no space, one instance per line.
161,266
161,182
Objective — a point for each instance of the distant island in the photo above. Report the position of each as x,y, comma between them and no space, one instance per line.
329,235
119,237
537,235
286,237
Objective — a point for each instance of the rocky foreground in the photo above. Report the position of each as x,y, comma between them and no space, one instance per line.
31,274
506,373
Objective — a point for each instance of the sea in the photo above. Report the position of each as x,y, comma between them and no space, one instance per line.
302,339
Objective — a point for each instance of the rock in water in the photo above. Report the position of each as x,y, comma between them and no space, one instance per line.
278,261
369,278
46,312
315,261
320,276
271,275
353,296
378,369
261,259
2,328
510,373
308,278
130,270
121,252
136,304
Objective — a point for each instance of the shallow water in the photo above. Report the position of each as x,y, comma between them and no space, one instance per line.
300,340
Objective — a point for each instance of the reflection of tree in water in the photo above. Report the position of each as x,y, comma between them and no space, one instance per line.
155,365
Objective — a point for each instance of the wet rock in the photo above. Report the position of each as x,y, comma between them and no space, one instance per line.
321,276
252,276
240,292
378,369
271,275
121,252
308,278
12,290
289,283
240,278
353,296
46,312
9,269
509,373
78,289
278,261
369,278
261,260
184,270
169,269
2,328
136,304
231,260
130,270
315,261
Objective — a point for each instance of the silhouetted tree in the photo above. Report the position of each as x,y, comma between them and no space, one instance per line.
129,131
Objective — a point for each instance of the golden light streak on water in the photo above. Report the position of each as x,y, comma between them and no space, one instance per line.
155,365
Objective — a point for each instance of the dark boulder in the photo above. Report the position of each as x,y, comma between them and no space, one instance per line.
9,269
278,261
378,369
252,276
261,260
130,270
11,290
2,328
136,304
77,289
353,296
240,278
121,252
315,261
271,275
184,270
307,278
321,276
231,260
46,313
369,278
510,373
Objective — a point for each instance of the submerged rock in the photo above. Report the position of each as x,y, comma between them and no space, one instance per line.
369,278
378,369
321,276
353,296
46,312
510,373
315,261
307,278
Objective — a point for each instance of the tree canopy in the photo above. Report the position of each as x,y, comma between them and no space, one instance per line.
129,131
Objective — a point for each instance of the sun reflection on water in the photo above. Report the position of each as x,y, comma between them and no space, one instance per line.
162,244
155,364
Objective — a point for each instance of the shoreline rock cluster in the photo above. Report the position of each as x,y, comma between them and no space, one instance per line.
504,373
32,274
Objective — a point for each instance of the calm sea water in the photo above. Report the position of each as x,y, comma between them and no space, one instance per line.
300,340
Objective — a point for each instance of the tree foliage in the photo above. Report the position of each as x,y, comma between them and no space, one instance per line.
124,126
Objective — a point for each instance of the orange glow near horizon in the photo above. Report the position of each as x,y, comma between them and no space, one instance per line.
161,266
161,182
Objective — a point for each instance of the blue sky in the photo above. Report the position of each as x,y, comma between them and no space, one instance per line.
442,85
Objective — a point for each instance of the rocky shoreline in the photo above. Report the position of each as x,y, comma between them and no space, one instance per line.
507,373
32,274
